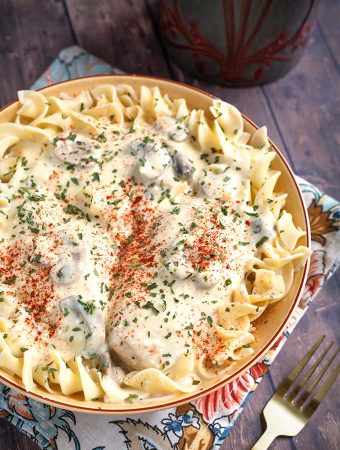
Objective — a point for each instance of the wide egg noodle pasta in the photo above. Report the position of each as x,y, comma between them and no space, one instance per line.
269,276
289,234
156,382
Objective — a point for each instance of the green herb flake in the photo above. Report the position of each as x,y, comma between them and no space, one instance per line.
176,210
131,398
261,241
224,210
210,320
151,306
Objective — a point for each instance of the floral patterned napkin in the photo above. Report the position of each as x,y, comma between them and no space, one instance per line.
205,423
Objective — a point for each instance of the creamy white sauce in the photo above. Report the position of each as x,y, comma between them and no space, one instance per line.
120,246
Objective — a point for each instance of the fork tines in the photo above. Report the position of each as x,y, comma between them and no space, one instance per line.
298,393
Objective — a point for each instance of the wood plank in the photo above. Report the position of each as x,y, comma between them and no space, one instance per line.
306,104
321,318
13,439
249,425
32,34
124,34
328,18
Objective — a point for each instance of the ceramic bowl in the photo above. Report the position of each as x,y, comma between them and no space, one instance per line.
269,326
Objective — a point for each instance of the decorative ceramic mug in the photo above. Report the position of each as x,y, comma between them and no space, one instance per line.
236,42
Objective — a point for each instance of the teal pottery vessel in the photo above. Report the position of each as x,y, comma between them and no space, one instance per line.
236,42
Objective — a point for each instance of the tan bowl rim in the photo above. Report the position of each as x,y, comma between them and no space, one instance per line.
241,370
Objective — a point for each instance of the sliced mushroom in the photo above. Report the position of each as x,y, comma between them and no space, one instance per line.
65,272
153,157
94,321
256,225
72,259
71,303
103,358
182,165
138,147
78,150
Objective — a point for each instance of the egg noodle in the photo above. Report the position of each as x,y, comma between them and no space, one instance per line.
140,240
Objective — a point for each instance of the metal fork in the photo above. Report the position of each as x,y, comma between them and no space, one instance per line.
287,412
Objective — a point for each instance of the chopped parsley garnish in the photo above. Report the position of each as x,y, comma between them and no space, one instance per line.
36,259
71,209
71,136
75,181
261,241
101,137
95,176
89,308
131,398
36,198
193,225
151,306
176,210
224,210
210,320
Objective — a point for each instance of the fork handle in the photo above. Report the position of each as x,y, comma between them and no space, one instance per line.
265,440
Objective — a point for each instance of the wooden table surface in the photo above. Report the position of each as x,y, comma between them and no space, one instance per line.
302,112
